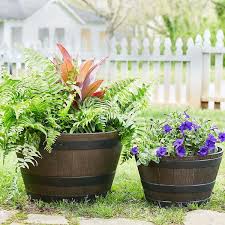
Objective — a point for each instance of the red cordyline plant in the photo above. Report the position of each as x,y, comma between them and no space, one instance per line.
82,79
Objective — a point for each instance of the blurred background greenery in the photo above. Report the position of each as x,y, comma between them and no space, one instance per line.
166,18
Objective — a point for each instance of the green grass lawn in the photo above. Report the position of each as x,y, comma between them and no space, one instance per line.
126,198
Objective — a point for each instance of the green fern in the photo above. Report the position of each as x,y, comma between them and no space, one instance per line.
29,109
37,107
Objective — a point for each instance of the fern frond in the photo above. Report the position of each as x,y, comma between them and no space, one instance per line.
117,87
52,135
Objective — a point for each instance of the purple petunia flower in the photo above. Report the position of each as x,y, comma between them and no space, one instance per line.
203,151
167,128
211,138
210,142
178,143
181,152
222,137
161,151
134,150
186,125
186,115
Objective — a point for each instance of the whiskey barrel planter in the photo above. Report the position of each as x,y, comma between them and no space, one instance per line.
80,166
180,180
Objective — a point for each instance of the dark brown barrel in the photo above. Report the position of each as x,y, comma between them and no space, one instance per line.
180,181
80,166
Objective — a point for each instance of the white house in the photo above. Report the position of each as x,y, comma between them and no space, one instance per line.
43,23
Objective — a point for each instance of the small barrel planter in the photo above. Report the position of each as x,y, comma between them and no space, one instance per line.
80,166
180,181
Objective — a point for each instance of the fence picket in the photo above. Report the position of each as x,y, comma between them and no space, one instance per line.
218,67
134,52
112,67
145,64
156,68
124,63
178,70
196,73
167,70
190,46
206,68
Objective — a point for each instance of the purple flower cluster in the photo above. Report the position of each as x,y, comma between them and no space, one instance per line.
203,151
161,151
181,152
167,128
178,145
134,150
210,144
222,137
186,125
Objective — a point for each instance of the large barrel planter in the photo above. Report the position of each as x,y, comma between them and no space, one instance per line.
80,166
180,181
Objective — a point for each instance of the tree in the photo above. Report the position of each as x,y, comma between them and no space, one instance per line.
220,11
171,18
115,12
174,18
181,17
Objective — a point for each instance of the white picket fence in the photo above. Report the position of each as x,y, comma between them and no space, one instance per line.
180,77
181,73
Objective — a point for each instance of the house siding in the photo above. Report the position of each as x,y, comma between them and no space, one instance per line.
51,16
1,32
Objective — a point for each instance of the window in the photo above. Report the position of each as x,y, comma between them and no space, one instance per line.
43,37
86,40
59,35
102,39
16,36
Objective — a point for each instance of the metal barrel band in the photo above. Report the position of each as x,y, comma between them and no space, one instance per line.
182,164
86,145
68,181
178,188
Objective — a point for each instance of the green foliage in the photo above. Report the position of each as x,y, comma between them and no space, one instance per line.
220,8
220,11
37,107
29,107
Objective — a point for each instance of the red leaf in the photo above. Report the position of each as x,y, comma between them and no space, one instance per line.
91,88
65,54
99,94
92,72
66,68
84,68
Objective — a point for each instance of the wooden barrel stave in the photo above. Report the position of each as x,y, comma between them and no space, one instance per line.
73,173
70,165
169,182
